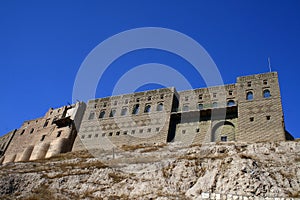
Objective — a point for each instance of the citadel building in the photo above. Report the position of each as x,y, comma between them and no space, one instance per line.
249,111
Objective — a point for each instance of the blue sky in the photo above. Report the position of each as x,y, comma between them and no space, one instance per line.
43,43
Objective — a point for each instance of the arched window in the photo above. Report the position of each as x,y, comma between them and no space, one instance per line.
136,109
230,103
160,107
124,111
91,116
185,108
112,113
31,131
249,96
215,105
267,93
102,114
147,108
200,106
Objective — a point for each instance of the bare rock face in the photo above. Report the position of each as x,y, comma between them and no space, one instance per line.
238,170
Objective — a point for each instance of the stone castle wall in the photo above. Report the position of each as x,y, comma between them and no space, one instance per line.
249,111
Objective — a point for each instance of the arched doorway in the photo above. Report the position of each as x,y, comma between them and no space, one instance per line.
223,131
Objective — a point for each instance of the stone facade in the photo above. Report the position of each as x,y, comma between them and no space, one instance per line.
248,111
46,136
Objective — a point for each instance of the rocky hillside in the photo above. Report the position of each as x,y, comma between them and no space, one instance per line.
160,172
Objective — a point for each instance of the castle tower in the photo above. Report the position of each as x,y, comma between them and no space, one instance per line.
260,116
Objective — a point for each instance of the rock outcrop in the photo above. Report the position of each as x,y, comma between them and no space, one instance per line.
172,171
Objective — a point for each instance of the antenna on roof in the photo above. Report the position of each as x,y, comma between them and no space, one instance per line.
269,61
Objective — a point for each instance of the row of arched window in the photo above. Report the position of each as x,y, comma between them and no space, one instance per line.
200,106
266,94
124,111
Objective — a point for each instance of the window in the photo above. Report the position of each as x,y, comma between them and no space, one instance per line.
118,133
147,109
92,115
95,106
135,110
104,104
200,96
230,92
266,93
265,82
115,103
183,131
124,111
82,137
160,107
214,95
197,130
249,83
161,96
186,98
185,108
96,135
110,134
112,113
149,98
200,106
149,130
249,96
251,119
43,137
137,99
230,103
125,133
268,117
46,123
102,114
22,132
157,129
58,134
132,132
223,138
89,136
103,134
215,104
126,101
31,131
141,130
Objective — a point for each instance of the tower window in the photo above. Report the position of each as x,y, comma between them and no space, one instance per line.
136,108
112,113
124,111
147,108
251,119
104,104
197,130
92,115
137,99
95,106
249,83
31,131
230,92
126,101
102,114
265,82
268,117
249,96
149,98
118,133
186,98
22,132
200,96
214,95
110,134
161,96
160,107
266,93
46,123
125,133
230,103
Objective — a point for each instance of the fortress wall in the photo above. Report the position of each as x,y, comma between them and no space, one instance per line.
57,146
26,154
39,151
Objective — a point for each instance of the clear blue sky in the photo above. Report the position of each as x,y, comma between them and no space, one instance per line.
43,43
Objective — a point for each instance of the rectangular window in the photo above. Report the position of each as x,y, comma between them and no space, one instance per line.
183,131
110,134
82,137
230,92
118,133
125,133
149,130
89,136
157,129
197,130
58,134
249,83
132,132
92,115
43,137
96,135
200,96
214,95
141,130
103,134
268,117
223,138
251,119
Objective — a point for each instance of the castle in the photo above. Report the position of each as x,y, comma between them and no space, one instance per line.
248,111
